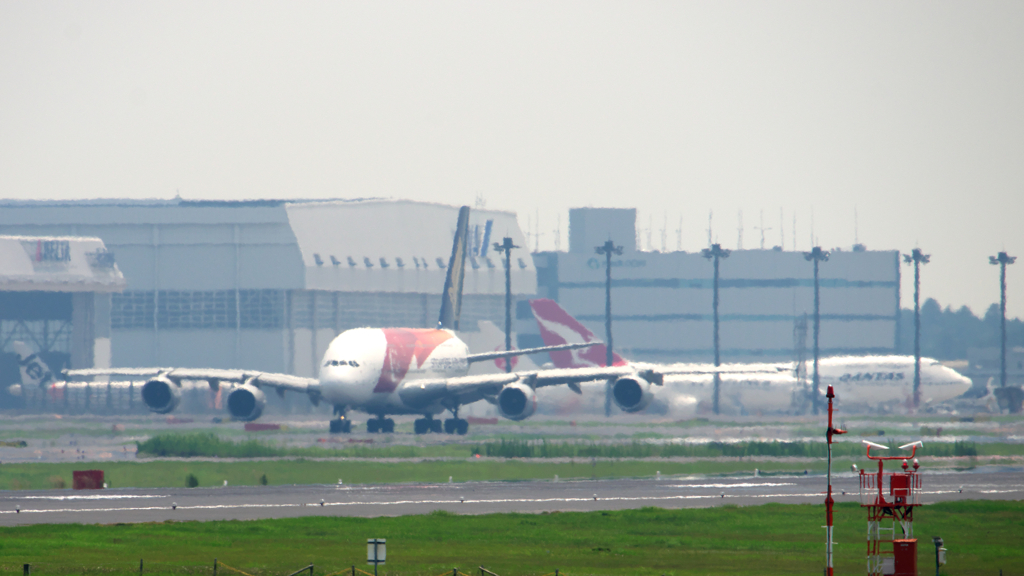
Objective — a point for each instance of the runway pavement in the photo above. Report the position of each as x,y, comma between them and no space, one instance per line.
256,502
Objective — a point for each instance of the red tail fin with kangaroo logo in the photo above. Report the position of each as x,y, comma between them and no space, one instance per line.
558,327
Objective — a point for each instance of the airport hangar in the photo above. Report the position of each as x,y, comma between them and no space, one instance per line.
55,298
267,284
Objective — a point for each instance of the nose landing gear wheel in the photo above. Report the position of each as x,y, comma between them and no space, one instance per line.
372,426
341,426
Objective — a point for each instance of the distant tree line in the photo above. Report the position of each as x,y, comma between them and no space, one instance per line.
946,334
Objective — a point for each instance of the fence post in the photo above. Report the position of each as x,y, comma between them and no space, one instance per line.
26,569
214,567
140,566
353,571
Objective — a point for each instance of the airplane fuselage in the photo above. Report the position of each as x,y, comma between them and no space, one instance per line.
363,368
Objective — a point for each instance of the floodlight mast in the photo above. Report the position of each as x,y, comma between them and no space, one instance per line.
816,255
715,253
829,432
1002,260
916,257
608,248
507,246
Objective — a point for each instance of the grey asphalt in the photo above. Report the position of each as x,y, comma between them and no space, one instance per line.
250,503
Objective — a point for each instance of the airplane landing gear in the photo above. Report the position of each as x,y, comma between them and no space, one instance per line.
380,424
456,426
426,425
340,425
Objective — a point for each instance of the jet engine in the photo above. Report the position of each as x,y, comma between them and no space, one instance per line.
632,393
161,394
246,403
517,401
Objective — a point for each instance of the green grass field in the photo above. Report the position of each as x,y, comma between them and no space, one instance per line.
983,537
163,473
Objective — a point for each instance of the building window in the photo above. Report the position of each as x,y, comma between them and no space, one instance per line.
131,309
198,310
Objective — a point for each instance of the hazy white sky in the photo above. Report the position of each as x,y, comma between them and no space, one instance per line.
909,113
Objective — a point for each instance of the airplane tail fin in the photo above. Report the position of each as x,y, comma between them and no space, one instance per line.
558,327
34,372
451,298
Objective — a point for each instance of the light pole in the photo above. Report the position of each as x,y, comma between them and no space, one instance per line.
506,246
916,257
816,255
608,248
1002,260
715,253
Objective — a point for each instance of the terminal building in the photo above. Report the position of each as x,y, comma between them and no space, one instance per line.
55,296
266,285
662,302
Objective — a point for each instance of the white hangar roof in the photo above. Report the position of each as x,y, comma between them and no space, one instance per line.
404,246
57,264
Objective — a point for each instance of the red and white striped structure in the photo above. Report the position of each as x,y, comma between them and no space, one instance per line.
890,553
829,432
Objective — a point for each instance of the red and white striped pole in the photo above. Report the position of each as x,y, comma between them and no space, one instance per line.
828,499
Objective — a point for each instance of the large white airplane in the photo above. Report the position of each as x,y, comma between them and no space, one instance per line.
380,371
867,381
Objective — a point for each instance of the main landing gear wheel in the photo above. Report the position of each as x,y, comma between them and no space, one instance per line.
385,425
456,426
426,425
341,426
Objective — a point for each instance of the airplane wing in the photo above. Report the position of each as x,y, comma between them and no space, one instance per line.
467,389
507,353
278,382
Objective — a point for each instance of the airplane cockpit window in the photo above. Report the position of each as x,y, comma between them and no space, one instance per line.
353,363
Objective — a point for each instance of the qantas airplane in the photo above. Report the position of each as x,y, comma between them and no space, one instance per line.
380,371
768,387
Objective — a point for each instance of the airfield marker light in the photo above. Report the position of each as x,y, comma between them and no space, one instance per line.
723,494
321,502
916,464
1002,260
174,505
940,553
715,253
17,509
462,499
853,468
607,249
916,257
816,255
595,497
